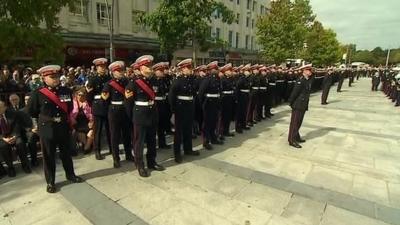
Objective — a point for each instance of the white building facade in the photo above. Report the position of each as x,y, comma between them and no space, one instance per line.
85,29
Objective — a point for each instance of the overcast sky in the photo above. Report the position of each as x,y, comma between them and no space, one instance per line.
366,23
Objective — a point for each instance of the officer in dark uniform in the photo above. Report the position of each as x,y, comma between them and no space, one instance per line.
272,85
242,96
145,116
341,76
160,88
228,99
210,100
254,95
114,94
298,101
263,107
181,96
198,115
94,87
51,105
375,81
326,86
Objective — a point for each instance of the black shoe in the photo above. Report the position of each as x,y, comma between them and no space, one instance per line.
164,147
295,144
51,188
130,158
239,131
207,146
11,172
229,135
324,103
26,169
222,138
217,142
75,179
300,140
250,124
34,163
143,172
178,158
3,172
117,164
247,128
192,153
157,167
99,156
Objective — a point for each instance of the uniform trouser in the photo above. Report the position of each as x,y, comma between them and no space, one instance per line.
32,146
183,127
325,93
99,123
375,85
163,122
226,113
6,151
119,123
398,98
241,111
339,86
260,105
49,148
272,94
295,124
251,106
142,134
210,115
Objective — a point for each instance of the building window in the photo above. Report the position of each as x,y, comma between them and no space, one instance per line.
247,42
252,23
217,32
237,39
238,2
262,9
248,4
252,43
210,30
254,5
80,8
247,21
230,38
238,18
102,15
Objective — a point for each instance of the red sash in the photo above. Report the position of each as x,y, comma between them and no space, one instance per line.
55,99
146,88
117,87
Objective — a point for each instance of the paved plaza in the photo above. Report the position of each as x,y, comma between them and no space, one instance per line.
348,172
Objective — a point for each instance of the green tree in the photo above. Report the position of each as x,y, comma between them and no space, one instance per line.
176,22
323,49
282,32
31,25
364,56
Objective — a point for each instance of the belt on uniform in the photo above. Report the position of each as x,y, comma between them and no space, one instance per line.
140,103
245,90
117,103
212,95
97,97
255,88
280,81
185,98
272,84
290,81
160,98
263,88
227,92
50,119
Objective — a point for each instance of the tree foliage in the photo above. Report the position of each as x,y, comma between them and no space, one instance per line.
31,25
323,49
283,31
178,21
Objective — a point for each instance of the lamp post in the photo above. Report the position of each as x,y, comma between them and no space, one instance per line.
110,27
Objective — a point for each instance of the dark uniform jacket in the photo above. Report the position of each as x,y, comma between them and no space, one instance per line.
45,110
143,115
301,94
16,124
99,106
